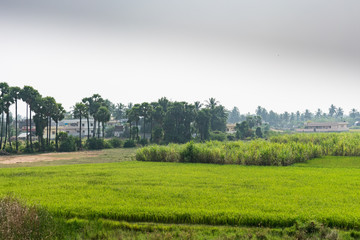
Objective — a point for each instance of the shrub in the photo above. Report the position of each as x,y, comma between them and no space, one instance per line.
129,144
19,221
116,142
67,144
143,141
95,143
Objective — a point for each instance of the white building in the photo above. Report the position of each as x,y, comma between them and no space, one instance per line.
325,127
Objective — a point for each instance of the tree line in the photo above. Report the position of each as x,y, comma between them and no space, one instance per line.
292,120
44,109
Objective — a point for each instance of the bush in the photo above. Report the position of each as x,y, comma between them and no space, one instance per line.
218,136
68,144
95,143
143,141
129,144
19,221
116,142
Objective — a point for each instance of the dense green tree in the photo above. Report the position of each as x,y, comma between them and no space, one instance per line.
339,112
243,130
202,122
177,121
353,113
234,116
119,111
332,110
146,111
318,113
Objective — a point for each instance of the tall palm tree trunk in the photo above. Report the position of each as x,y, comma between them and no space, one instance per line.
130,131
144,127
49,130
94,128
16,127
80,133
6,130
31,145
9,129
151,128
88,127
98,131
103,129
56,137
27,127
2,128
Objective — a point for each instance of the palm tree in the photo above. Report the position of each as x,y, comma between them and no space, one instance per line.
87,101
80,110
29,95
15,91
145,111
211,103
58,116
353,113
4,88
198,106
50,110
339,112
7,100
318,113
332,110
103,115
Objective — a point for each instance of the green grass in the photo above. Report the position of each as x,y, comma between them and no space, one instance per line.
192,193
332,162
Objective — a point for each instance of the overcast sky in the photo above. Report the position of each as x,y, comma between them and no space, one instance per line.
284,55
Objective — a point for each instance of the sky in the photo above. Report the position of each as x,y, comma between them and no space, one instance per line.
284,55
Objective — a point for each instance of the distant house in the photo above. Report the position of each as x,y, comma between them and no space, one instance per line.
119,131
324,127
230,128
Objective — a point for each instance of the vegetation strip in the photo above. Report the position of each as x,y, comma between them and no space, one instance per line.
279,151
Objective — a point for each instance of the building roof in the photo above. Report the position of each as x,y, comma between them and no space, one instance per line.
313,124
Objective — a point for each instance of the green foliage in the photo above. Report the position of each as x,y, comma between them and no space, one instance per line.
143,141
129,143
218,136
95,143
279,151
68,144
116,142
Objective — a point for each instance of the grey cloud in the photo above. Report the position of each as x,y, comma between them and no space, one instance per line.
315,25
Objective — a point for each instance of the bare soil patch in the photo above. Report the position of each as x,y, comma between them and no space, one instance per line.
13,159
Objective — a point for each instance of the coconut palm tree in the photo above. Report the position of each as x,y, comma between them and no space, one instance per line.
58,116
7,100
15,92
4,88
103,115
29,95
50,106
80,110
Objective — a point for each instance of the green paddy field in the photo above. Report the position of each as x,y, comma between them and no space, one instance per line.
209,201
